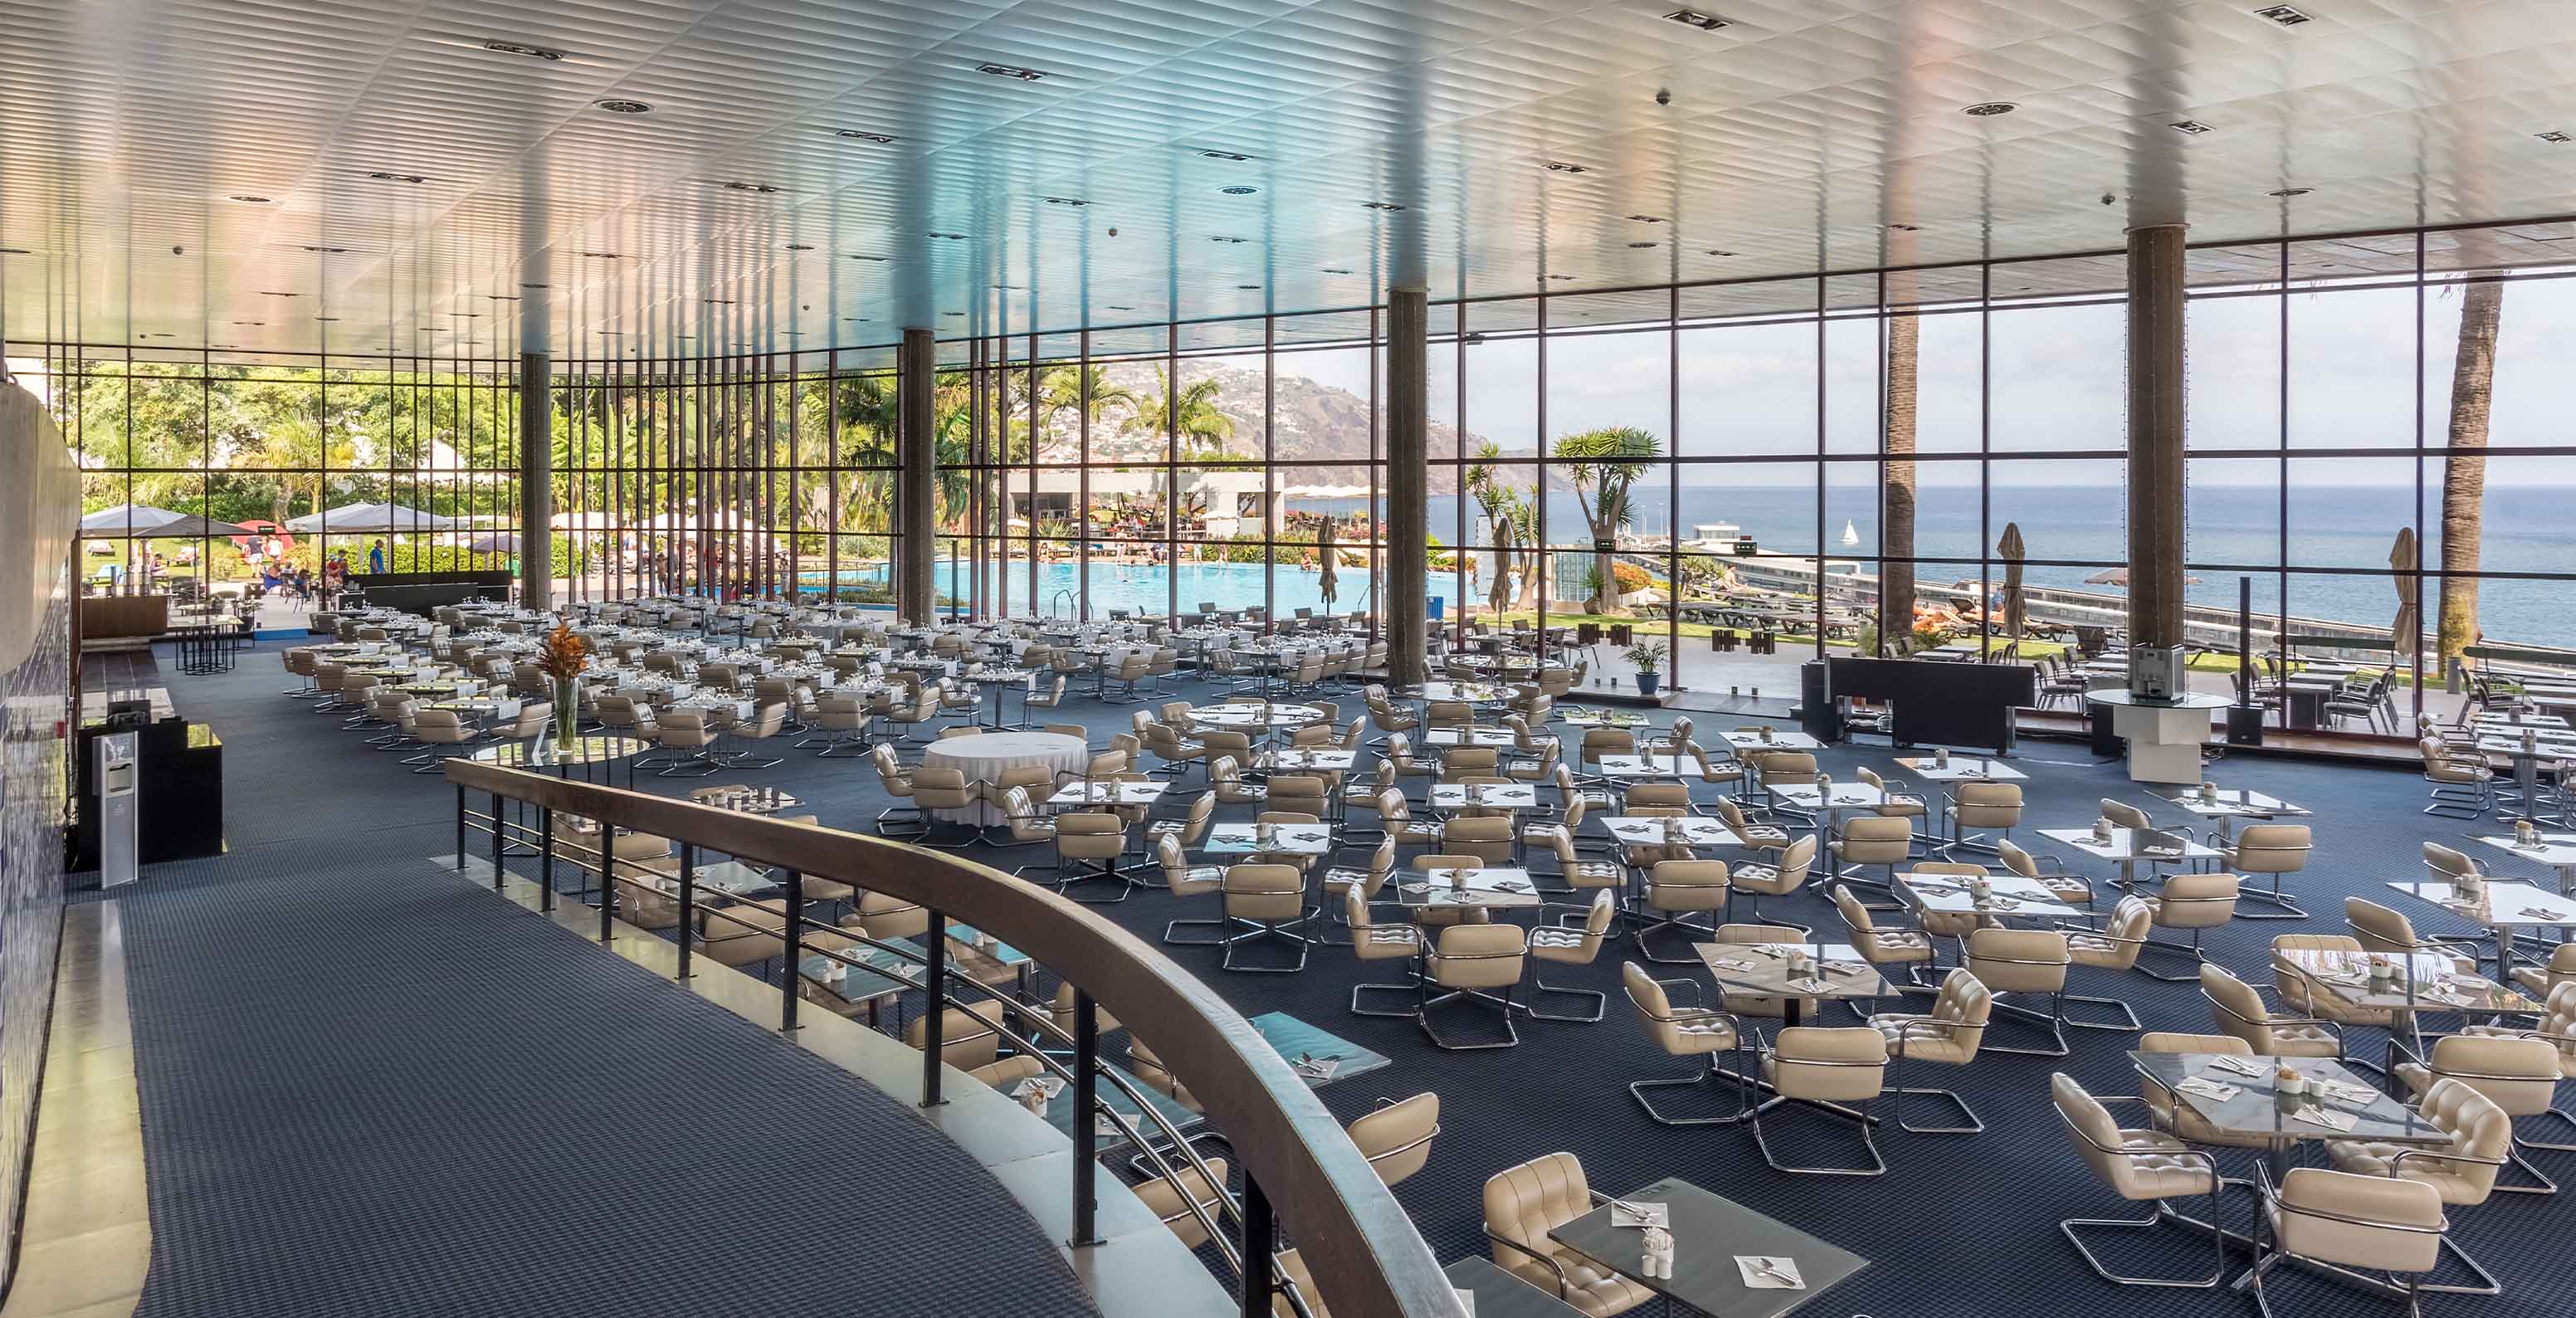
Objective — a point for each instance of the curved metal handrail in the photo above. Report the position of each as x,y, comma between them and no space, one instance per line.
1349,1225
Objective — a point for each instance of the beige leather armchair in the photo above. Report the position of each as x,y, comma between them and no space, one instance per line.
1473,962
1689,1031
2141,1166
2192,904
1843,1069
1951,1034
1522,1205
1395,1136
1571,944
2462,1173
1271,900
2353,1223
2238,1009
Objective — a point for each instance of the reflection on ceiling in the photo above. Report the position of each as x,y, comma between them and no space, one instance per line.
609,178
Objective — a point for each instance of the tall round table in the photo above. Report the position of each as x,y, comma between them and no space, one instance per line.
983,757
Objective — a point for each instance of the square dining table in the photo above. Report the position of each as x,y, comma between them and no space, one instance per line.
1836,971
1484,887
1484,796
1709,1233
2008,896
2254,1112
1781,739
1280,840
2555,850
1499,1294
1496,737
2127,846
2506,908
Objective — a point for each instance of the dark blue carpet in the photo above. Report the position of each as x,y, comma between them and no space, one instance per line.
370,1089
1962,1226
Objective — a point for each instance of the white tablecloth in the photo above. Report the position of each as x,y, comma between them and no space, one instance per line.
982,758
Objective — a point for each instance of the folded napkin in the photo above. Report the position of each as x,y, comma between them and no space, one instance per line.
1731,963
1310,1067
2328,1118
2347,1093
2209,1089
1623,1213
1769,1272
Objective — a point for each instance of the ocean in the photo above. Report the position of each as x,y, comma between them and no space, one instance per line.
2231,531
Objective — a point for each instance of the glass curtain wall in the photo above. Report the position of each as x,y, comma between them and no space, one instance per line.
1770,465
259,442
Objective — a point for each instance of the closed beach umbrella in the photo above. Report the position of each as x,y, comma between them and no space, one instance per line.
2012,552
2407,632
1328,582
494,542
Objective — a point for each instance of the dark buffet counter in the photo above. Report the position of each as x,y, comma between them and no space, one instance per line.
180,771
1932,703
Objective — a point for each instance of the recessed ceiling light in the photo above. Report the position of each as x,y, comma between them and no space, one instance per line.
1560,276
2289,192
2192,126
1714,251
855,256
862,135
1010,71
1066,201
1235,156
327,251
1641,244
534,286
1220,238
21,251
2554,135
1239,190
1906,228
515,48
1382,205
502,297
952,237
615,106
952,313
1989,109
467,315
719,301
248,198
795,334
604,256
1335,270
388,176
800,247
2284,15
737,185
1647,219
251,324
270,294
1247,287
1561,167
1704,22
323,318
855,320
1115,307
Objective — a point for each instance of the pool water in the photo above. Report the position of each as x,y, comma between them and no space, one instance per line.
1141,586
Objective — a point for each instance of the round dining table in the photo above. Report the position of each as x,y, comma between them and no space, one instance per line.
983,757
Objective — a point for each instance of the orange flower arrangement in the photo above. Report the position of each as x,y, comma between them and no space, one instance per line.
563,655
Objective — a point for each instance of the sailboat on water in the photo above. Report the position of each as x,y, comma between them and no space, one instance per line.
1851,534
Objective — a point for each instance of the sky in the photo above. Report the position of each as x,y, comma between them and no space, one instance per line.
2057,383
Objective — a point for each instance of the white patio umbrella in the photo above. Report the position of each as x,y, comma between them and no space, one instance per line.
143,521
370,518
2407,632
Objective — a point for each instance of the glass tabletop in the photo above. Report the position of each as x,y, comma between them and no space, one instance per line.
1831,970
2246,1104
1709,1232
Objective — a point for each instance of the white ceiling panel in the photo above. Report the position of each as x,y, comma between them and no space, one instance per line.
171,169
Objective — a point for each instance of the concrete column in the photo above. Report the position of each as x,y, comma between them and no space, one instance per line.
2155,435
536,481
917,445
1408,494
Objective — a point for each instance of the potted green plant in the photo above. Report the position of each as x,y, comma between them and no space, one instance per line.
1647,657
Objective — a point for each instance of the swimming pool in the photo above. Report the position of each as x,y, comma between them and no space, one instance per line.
1139,586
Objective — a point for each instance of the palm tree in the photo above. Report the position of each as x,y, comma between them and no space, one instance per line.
1081,390
1202,425
1896,517
1602,464
2464,472
1507,512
